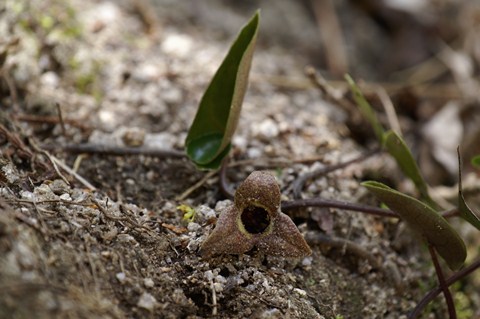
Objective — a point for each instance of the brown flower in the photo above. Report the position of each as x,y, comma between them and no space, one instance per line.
255,219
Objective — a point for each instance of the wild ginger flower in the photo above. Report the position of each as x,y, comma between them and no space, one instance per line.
255,220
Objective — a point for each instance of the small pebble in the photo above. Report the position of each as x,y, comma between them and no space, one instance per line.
59,187
125,238
208,275
220,206
65,197
177,44
147,301
301,292
307,261
50,78
266,130
133,137
254,152
218,287
193,227
148,282
121,277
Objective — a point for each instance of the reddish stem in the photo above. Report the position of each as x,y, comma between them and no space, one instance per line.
443,285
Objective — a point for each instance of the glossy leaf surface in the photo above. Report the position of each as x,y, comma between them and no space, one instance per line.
208,140
424,221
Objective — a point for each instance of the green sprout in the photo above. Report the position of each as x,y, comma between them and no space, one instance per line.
188,212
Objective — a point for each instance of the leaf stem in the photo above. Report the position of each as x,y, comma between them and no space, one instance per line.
437,290
319,202
443,285
298,184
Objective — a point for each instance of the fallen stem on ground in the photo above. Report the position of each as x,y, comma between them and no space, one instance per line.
298,184
115,150
319,202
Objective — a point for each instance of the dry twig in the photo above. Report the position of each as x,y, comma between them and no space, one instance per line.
298,184
332,36
196,186
343,244
60,118
114,150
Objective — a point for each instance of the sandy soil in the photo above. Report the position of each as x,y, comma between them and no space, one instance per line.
84,234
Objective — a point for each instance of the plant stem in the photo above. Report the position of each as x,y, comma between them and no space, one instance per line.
298,184
318,202
437,290
362,253
443,285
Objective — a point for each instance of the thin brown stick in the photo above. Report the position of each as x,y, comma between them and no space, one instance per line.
195,186
389,110
341,243
298,184
16,142
331,35
146,12
49,120
60,118
56,162
330,93
115,150
13,90
443,91
73,173
50,201
107,214
276,162
51,158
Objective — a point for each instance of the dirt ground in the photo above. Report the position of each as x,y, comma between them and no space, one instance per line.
90,233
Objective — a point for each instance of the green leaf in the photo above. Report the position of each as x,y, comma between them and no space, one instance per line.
397,148
208,140
424,221
188,212
476,161
465,211
366,109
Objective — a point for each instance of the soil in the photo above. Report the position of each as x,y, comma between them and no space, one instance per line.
96,235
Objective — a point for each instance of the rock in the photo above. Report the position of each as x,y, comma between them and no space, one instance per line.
266,130
147,301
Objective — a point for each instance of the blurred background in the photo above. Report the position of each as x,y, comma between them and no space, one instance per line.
424,53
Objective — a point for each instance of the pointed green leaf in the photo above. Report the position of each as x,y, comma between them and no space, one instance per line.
366,109
465,211
396,146
424,221
209,137
476,161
